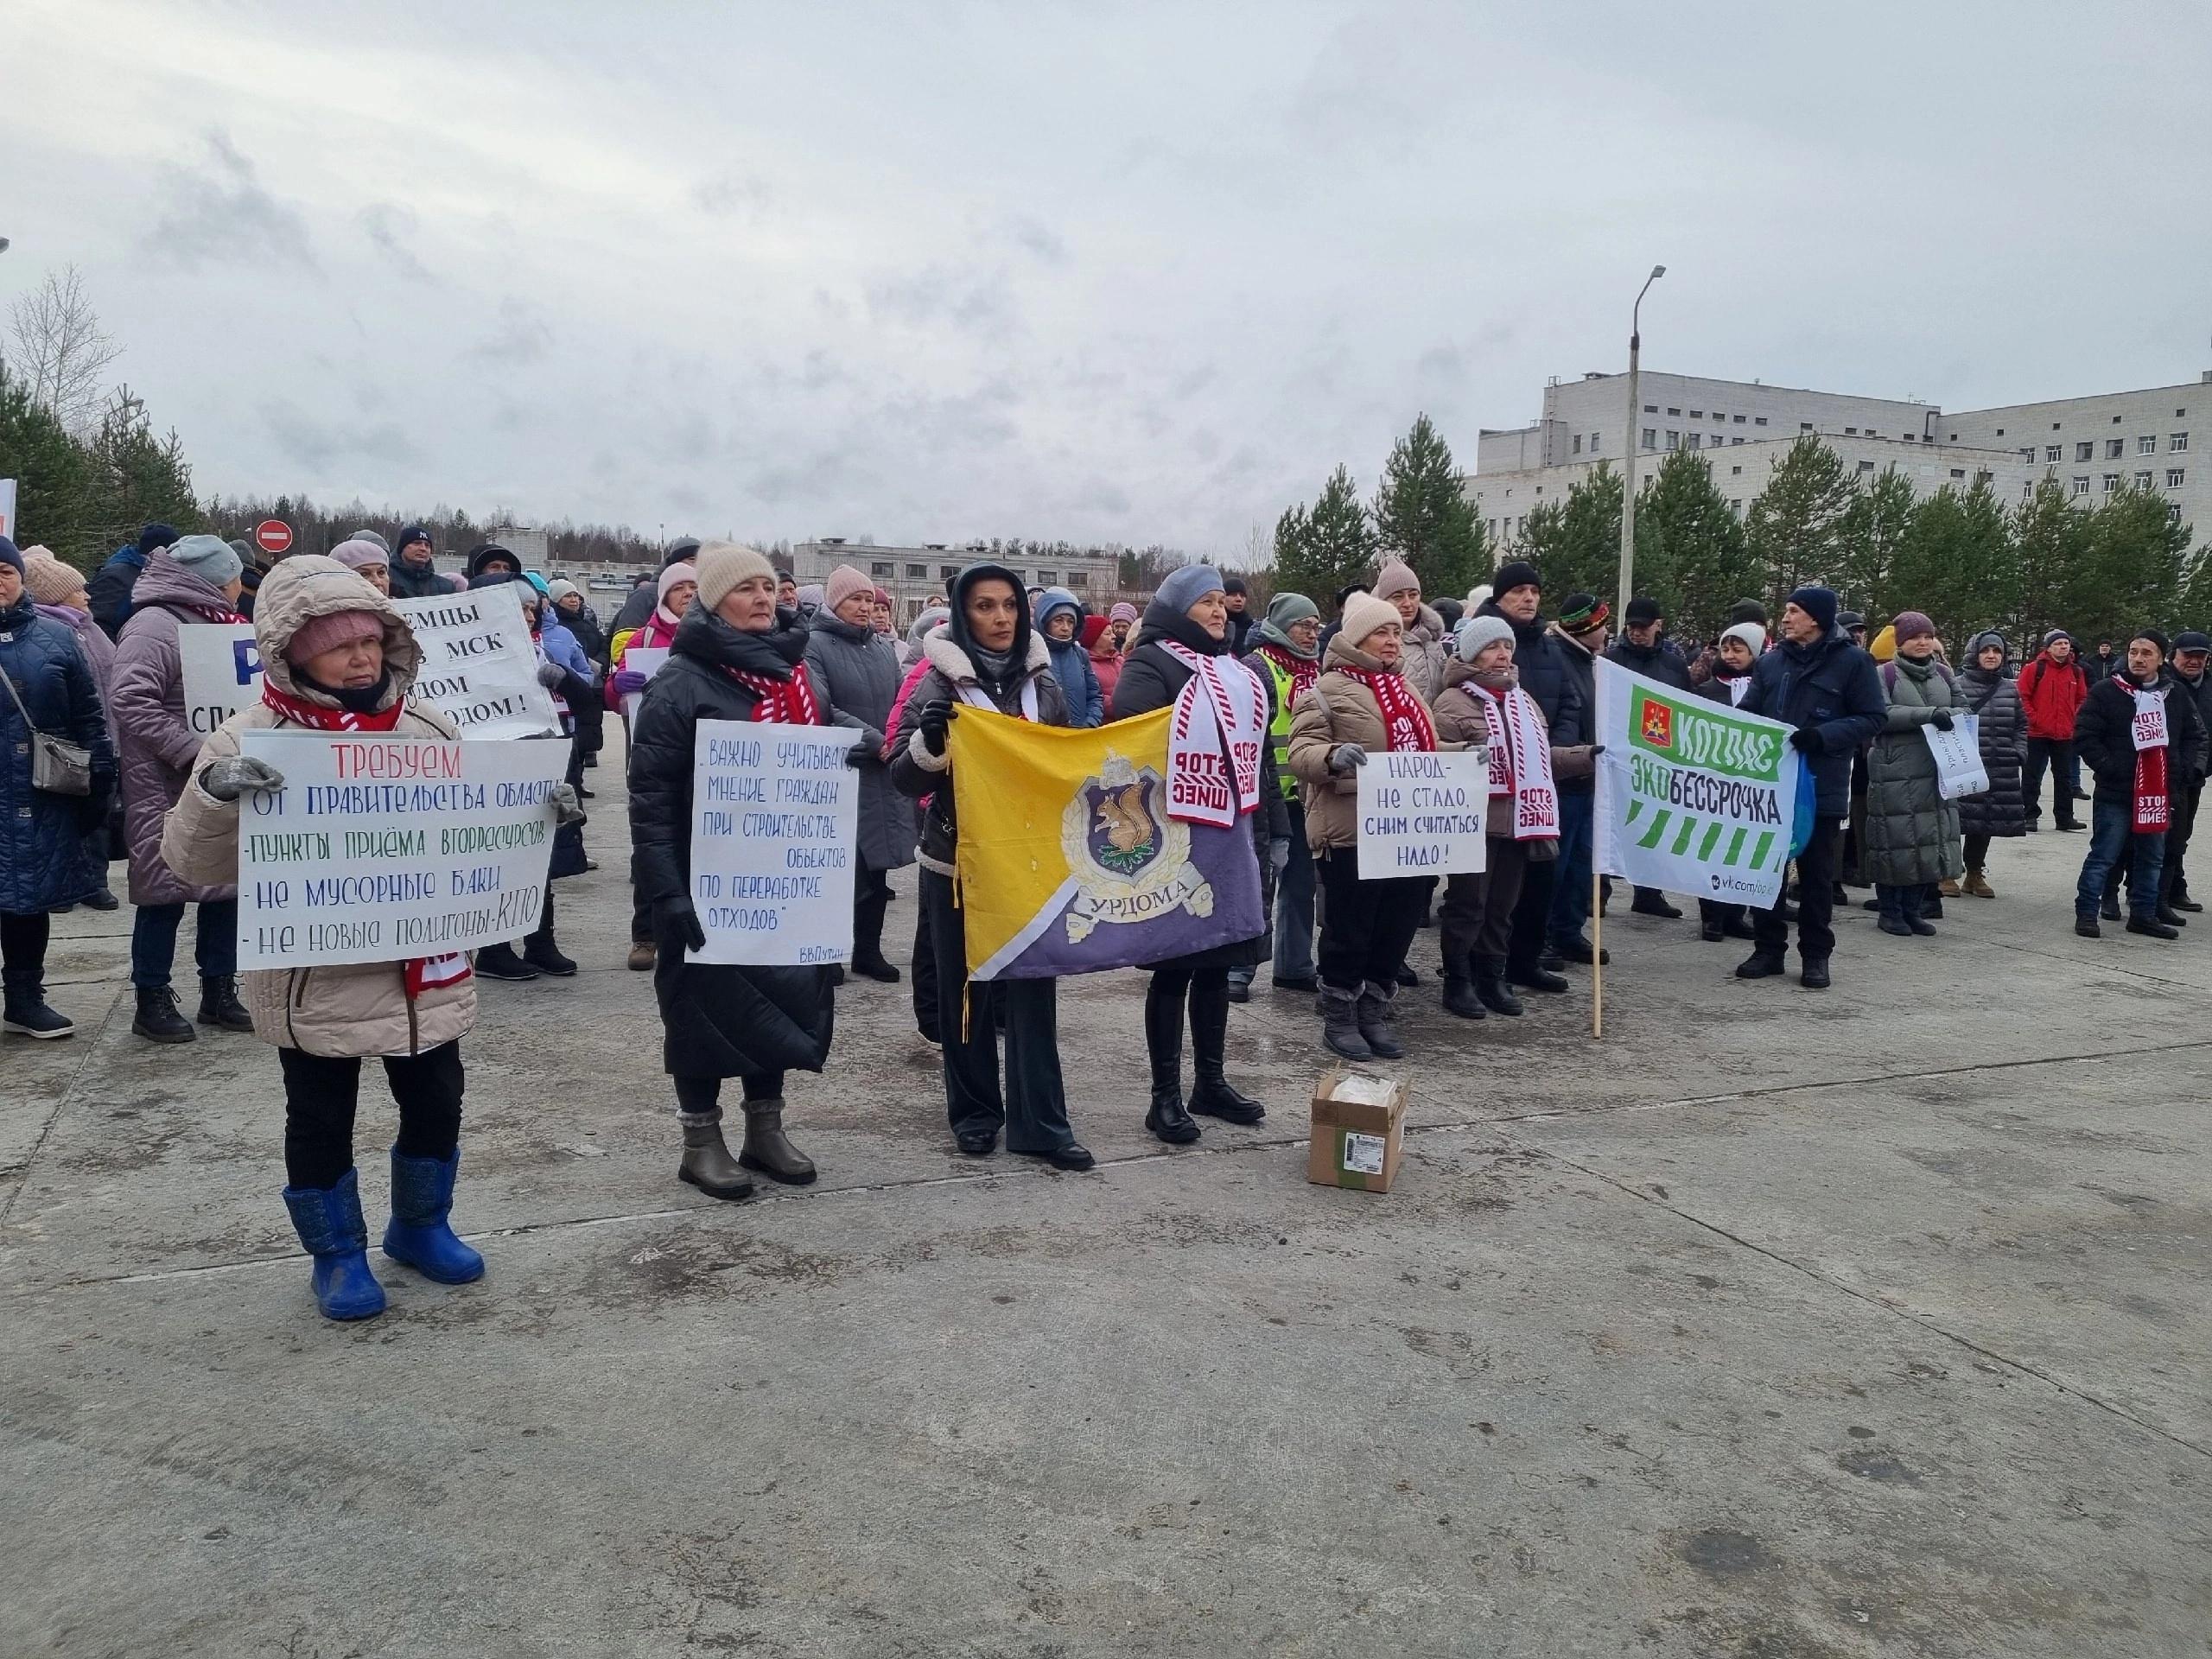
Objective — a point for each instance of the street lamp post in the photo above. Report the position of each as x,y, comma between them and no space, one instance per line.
1628,467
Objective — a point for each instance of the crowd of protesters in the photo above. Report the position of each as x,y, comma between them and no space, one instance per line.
719,633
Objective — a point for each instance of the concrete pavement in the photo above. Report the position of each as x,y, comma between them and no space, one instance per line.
1868,1322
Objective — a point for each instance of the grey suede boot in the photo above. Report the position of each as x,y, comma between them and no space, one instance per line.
768,1149
1375,1021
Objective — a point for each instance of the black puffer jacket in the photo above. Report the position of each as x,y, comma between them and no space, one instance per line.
1153,678
1659,661
2104,734
415,580
914,771
2000,811
719,1020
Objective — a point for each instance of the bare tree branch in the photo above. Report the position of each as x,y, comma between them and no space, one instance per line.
61,350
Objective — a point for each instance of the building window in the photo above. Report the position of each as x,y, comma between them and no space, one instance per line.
2083,451
1594,443
1651,408
2028,454
1852,432
1756,420
918,573
1697,414
1674,439
1958,472
1865,466
1697,440
1804,426
1872,432
2028,491
1735,440
1046,578
880,568
2173,478
1674,411
2173,513
1735,471
2147,444
2178,443
2142,480
1577,443
2111,482
1652,437
2081,483
947,572
2050,452
1739,419
1078,579
2115,447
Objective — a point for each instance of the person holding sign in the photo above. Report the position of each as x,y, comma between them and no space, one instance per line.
1360,703
2129,733
1182,658
1912,831
338,658
1484,706
986,656
735,656
193,582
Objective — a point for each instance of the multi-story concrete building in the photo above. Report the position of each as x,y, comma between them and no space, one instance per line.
2093,445
914,575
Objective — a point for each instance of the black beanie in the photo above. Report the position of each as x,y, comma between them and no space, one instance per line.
1819,603
1514,573
1747,610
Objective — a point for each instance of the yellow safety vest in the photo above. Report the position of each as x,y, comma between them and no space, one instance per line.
1278,728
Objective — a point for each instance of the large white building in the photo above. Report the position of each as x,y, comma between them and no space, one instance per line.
914,575
2091,445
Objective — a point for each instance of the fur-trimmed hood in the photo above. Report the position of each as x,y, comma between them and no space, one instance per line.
308,586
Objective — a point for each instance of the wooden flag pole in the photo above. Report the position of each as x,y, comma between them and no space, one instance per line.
1596,955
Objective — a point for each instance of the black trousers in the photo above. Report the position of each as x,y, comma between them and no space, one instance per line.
1205,992
22,954
2171,874
1816,867
1366,926
924,979
1477,917
871,893
1034,1108
2059,757
1532,911
1977,852
320,1095
702,1097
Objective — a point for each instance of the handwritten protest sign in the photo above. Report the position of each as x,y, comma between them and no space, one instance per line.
381,849
221,672
647,660
1693,796
1959,769
775,814
1421,814
478,665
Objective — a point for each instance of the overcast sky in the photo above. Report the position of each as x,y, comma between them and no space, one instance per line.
1105,272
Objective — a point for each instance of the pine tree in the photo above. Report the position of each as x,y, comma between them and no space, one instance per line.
1320,551
1423,516
1956,564
138,478
2133,570
53,496
1874,529
1574,541
2051,543
1691,552
1796,525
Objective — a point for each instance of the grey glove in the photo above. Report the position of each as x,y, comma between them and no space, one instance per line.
1345,756
549,675
567,808
1278,853
231,776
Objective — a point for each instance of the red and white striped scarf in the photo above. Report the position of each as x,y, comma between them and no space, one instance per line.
207,612
1406,725
1303,670
419,972
2153,805
1520,759
1218,709
791,700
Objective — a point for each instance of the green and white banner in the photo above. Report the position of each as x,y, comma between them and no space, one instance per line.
1693,796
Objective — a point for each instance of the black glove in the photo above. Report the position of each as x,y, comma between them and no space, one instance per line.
1805,741
92,812
1940,720
936,716
856,756
676,924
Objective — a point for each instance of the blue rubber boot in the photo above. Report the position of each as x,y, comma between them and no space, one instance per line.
421,1197
328,1221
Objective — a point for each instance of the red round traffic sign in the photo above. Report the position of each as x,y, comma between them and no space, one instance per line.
272,536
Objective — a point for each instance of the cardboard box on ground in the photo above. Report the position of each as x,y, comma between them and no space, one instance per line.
1359,1129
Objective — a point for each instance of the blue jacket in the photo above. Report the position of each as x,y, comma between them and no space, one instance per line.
46,854
1071,661
109,591
1830,687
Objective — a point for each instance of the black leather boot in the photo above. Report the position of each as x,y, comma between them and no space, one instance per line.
1490,985
1459,996
220,1006
1213,1095
157,1019
540,951
1163,1043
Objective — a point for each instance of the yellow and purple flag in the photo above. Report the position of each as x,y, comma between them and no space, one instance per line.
1068,861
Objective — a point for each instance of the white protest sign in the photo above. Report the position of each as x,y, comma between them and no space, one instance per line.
222,672
8,508
1694,796
379,848
479,664
1423,814
775,812
1959,769
647,660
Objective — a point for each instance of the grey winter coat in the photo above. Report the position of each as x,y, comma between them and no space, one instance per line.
860,667
2000,811
157,746
1912,832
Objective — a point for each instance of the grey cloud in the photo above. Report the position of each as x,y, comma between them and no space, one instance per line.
218,210
732,193
937,294
312,442
521,337
388,227
1034,236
